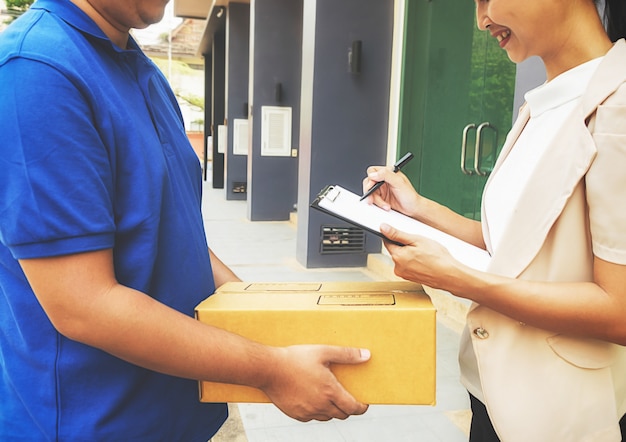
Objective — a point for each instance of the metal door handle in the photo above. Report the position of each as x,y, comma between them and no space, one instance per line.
464,148
479,132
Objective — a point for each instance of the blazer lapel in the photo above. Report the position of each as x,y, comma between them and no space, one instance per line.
559,171
551,184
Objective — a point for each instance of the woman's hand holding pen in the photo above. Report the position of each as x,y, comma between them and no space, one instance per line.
421,260
396,193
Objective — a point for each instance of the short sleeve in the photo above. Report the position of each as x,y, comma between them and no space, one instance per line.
55,172
606,181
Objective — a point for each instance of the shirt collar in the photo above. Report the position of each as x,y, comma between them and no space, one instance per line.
568,86
75,17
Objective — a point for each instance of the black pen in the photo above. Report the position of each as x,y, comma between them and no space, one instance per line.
396,167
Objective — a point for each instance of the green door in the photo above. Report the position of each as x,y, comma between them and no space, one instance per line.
456,104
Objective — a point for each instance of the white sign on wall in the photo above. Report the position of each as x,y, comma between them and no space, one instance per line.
240,136
275,131
222,138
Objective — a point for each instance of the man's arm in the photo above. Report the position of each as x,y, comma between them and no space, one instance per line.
84,302
221,272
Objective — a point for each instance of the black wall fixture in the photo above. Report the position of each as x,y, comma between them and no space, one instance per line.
278,92
354,57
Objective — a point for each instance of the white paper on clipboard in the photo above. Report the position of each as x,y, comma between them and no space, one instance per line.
340,202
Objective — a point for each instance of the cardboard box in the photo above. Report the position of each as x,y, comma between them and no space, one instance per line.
394,320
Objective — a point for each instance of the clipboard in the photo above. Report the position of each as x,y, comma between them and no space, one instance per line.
329,202
346,206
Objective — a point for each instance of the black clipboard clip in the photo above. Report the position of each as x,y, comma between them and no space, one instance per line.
331,192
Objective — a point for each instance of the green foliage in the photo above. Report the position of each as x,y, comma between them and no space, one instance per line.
178,67
21,4
164,37
15,8
193,100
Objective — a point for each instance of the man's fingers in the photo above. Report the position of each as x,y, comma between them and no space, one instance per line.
349,406
346,405
348,355
334,413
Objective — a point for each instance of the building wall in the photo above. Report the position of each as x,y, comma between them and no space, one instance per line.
345,112
276,64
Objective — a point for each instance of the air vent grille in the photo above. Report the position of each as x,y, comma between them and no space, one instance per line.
342,240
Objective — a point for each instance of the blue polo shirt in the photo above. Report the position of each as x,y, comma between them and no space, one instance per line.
93,155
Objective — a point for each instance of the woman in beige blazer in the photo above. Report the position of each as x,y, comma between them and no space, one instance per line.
543,352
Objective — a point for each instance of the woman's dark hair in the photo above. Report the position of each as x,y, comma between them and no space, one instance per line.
615,18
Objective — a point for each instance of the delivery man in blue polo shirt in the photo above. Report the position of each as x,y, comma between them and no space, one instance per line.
103,254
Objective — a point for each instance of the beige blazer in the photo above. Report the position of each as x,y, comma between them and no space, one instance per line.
538,385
